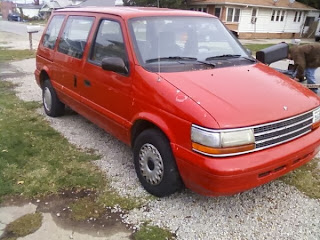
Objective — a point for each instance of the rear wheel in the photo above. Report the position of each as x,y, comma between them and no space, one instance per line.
155,164
51,103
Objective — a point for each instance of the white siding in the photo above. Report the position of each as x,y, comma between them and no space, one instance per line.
264,23
31,12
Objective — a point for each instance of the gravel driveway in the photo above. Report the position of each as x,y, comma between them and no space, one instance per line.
272,211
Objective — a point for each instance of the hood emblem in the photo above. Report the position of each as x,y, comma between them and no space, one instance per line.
285,108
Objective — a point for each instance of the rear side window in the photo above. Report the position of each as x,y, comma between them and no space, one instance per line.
75,35
52,32
109,42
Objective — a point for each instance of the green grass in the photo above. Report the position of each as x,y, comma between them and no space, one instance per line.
147,232
7,54
112,198
306,178
34,158
37,22
257,47
23,226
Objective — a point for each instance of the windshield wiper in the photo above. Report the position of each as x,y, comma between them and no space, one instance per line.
206,63
173,58
251,59
223,56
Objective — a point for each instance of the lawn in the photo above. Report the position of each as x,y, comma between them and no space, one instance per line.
34,158
256,47
7,54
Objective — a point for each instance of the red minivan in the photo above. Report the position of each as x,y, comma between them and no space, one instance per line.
178,88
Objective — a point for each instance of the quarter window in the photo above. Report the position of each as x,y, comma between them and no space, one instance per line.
109,42
51,35
75,35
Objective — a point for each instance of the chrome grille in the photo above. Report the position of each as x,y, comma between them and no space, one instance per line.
275,133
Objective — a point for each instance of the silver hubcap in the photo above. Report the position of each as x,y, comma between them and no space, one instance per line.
151,164
47,99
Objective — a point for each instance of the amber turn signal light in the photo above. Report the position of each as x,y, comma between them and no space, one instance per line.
315,125
210,150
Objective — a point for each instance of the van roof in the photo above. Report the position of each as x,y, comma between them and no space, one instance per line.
131,12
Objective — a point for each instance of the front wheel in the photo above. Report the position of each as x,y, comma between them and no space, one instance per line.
155,164
51,103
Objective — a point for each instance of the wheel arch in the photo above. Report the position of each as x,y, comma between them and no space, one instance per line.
148,121
44,75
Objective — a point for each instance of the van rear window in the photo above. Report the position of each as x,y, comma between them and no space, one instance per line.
51,35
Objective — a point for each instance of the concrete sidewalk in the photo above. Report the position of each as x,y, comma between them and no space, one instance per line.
54,229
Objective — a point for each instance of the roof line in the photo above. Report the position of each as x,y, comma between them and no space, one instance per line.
253,5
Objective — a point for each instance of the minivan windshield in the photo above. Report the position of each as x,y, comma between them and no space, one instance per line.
181,43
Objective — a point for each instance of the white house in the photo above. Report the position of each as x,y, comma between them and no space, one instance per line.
261,18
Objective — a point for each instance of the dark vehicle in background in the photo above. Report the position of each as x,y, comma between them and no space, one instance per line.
317,33
317,36
14,17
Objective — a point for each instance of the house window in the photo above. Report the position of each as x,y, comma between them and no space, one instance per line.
254,16
254,12
273,15
282,15
233,14
277,15
297,16
217,12
199,9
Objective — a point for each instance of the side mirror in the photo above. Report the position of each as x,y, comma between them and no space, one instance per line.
114,64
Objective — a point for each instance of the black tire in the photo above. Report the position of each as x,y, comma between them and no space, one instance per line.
168,180
56,108
317,39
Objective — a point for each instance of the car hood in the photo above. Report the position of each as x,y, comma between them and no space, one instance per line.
244,95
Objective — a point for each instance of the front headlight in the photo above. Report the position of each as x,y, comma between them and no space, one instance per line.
217,142
316,118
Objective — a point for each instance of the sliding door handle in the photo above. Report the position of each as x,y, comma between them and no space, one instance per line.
87,83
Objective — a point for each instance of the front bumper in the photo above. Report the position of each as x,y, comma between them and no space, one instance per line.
230,175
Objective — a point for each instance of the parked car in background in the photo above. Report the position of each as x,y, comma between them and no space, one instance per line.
317,36
182,91
317,33
14,17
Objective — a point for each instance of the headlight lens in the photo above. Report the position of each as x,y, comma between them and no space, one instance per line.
224,142
209,139
316,118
